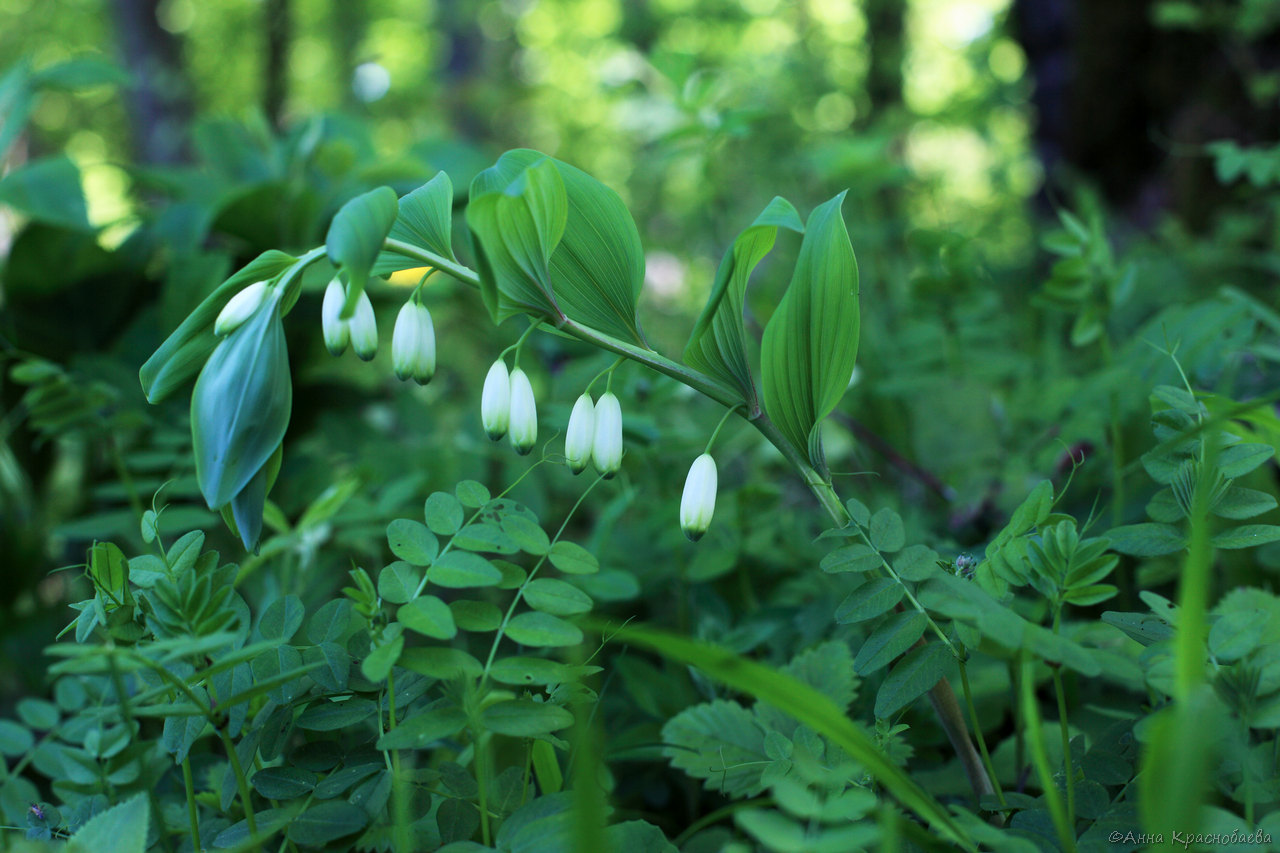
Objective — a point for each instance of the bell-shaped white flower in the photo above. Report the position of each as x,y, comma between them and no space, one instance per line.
239,308
337,332
413,344
495,402
606,443
699,501
580,435
524,413
364,329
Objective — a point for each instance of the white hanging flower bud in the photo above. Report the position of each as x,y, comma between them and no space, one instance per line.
239,308
495,402
524,413
364,329
578,438
337,332
606,443
699,501
413,344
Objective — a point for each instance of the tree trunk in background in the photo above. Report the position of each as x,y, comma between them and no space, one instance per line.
462,67
159,99
1124,104
348,21
884,71
279,33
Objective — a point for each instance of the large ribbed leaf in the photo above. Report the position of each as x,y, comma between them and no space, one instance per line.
517,214
355,238
179,358
718,344
425,219
811,342
240,406
597,266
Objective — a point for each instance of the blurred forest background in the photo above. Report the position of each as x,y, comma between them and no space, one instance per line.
154,147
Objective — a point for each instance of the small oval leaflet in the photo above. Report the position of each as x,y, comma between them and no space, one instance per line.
429,616
556,597
572,559
462,569
543,629
412,542
443,514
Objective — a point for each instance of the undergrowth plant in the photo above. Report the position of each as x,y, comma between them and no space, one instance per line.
456,697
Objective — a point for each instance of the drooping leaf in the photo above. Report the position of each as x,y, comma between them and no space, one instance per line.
525,718
811,342
424,219
718,344
183,353
120,828
327,821
595,266
912,677
355,238
516,212
241,404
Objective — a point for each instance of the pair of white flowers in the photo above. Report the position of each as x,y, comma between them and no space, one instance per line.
595,435
413,342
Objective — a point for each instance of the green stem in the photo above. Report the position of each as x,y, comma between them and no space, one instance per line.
518,346
1066,746
482,779
193,814
126,710
242,784
431,259
716,432
977,731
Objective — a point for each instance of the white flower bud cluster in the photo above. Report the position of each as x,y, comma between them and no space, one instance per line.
360,330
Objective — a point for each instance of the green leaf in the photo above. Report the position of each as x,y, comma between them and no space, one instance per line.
1246,536
412,542
429,616
425,220
526,671
892,638
1146,540
486,537
398,582
241,404
718,344
444,664
185,351
282,619
462,570
917,563
556,597
327,821
543,629
594,263
15,740
525,718
527,534
110,572
443,513
1238,633
572,559
851,558
475,615
47,191
811,342
886,532
913,676
17,100
807,706
283,783
120,829
377,666
422,728
1240,459
517,211
1237,502
721,743
355,238
472,493
868,601
81,72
